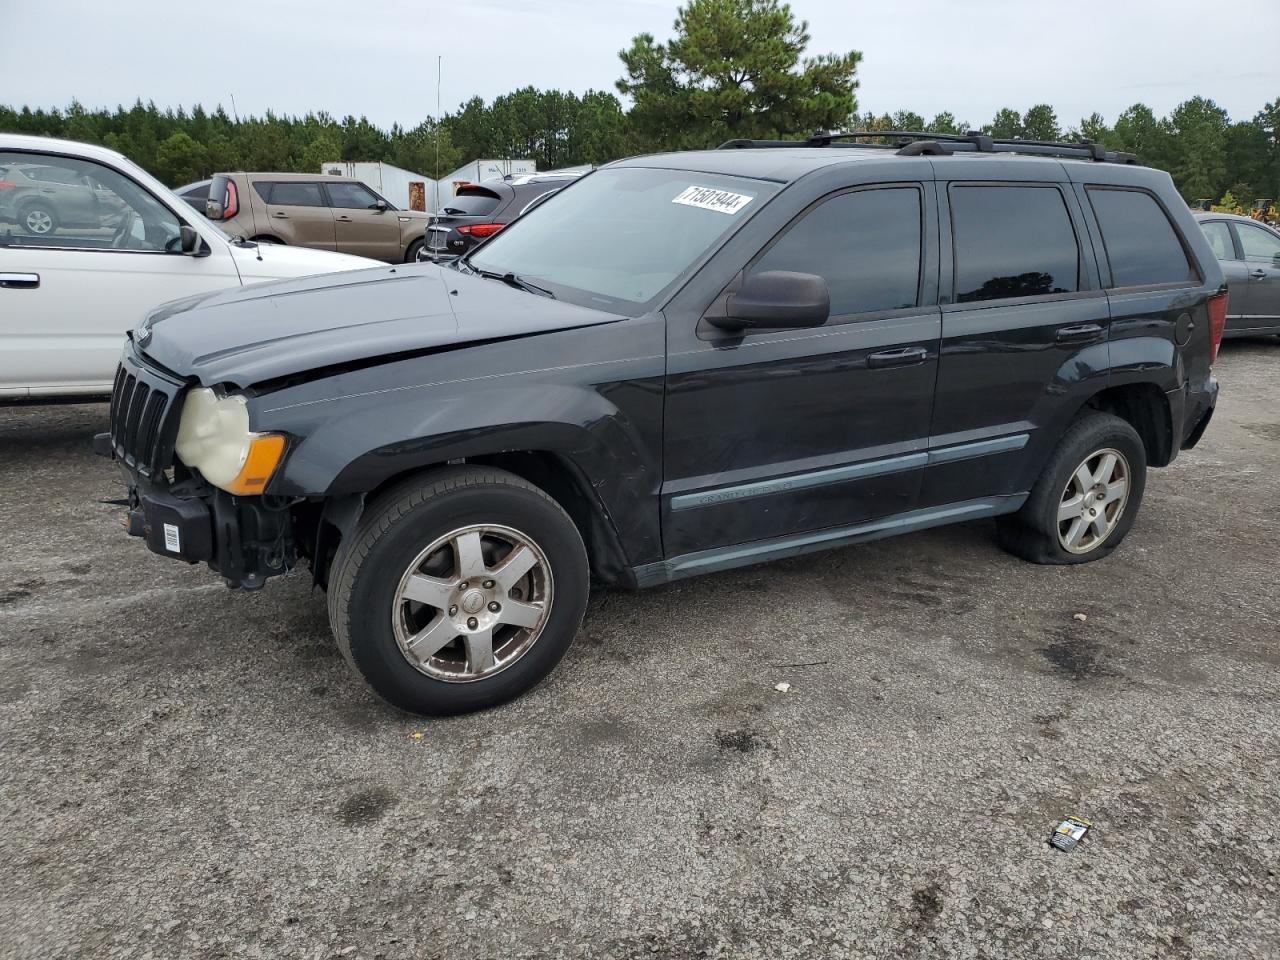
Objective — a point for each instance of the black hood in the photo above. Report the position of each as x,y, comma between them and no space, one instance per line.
271,330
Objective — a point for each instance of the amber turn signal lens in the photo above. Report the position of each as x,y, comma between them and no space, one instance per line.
264,456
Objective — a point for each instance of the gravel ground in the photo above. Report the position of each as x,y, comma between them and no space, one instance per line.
189,772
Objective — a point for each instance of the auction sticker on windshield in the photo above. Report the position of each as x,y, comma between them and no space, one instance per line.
708,198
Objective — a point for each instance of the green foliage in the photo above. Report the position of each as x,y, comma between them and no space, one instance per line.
1041,123
554,128
735,68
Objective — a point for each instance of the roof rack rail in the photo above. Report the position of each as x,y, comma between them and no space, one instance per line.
913,143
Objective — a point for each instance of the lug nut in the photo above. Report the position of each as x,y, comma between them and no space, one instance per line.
472,623
488,584
453,611
494,606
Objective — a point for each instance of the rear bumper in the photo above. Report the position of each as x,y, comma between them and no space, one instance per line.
1198,407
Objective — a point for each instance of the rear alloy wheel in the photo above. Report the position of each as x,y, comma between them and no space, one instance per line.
458,590
39,220
1093,501
1086,498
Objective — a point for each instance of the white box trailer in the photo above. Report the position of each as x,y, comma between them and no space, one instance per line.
478,170
404,188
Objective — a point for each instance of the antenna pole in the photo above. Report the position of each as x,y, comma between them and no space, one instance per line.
439,73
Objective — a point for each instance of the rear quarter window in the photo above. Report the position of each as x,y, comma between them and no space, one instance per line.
1141,244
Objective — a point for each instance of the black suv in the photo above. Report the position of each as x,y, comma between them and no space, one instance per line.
477,211
685,363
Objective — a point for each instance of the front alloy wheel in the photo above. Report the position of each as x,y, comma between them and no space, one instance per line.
459,589
1093,501
472,603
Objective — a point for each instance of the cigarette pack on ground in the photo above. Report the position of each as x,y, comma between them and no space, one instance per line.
1070,832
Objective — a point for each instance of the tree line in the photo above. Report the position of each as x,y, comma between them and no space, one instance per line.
734,68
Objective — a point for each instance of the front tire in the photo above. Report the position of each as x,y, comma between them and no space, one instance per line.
1086,498
458,590
38,219
415,249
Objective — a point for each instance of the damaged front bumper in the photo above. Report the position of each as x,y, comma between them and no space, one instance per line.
240,538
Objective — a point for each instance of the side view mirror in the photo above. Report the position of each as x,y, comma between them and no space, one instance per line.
213,209
382,206
777,298
191,245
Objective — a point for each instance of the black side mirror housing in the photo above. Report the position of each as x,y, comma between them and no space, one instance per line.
192,245
777,299
382,206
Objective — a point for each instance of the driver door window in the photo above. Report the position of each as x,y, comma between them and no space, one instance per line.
72,203
865,244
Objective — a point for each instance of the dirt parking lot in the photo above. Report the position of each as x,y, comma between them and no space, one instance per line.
190,772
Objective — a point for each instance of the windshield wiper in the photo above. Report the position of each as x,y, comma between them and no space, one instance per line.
512,280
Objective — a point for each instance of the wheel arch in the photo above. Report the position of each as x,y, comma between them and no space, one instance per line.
1145,406
554,473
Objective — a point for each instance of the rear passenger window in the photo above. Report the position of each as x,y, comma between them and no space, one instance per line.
1012,242
865,244
1258,244
1219,236
1141,244
284,193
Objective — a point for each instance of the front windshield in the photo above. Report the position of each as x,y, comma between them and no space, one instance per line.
619,237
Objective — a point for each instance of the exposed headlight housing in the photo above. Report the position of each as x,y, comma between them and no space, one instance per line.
214,438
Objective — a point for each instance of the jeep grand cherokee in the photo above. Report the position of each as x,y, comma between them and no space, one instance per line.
687,362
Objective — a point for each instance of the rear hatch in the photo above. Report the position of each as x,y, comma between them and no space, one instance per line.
466,218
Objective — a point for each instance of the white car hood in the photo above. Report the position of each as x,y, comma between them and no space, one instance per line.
272,261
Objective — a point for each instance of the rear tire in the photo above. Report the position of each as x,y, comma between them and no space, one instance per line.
430,600
1086,498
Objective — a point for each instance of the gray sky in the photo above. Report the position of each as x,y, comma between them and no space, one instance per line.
378,57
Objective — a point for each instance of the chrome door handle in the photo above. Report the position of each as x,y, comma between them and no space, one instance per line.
19,281
901,357
1258,274
342,220
281,216
1076,334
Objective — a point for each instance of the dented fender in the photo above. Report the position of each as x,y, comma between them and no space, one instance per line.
591,397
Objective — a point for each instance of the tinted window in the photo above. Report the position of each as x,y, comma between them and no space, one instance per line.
287,194
1219,236
1258,244
866,245
470,204
351,196
199,192
1012,242
1141,244
263,189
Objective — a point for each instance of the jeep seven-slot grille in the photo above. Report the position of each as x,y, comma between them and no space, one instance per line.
142,420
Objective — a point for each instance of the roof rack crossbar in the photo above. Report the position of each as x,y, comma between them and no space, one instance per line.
911,143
